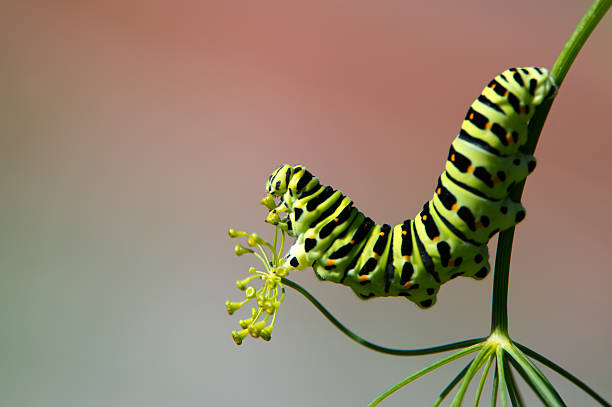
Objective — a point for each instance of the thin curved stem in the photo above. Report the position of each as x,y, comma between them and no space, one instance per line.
553,366
452,384
371,345
423,372
483,379
499,319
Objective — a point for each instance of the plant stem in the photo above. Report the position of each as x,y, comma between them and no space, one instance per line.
499,318
371,345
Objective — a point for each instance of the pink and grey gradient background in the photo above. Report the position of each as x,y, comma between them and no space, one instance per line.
134,134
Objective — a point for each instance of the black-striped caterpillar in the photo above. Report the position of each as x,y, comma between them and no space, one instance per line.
449,236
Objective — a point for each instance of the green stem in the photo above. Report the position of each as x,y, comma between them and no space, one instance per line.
452,384
499,319
483,379
552,365
371,345
423,372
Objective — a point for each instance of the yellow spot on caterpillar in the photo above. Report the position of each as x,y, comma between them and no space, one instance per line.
330,262
488,126
493,86
453,157
363,278
506,94
352,242
382,234
454,207
408,284
509,137
336,219
470,169
407,258
375,255
437,238
424,217
404,232
438,191
471,116
312,237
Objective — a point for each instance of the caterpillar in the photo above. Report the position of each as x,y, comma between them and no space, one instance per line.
449,237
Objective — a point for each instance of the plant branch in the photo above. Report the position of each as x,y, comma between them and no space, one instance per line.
371,345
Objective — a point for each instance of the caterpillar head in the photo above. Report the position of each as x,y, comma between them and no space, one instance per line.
279,180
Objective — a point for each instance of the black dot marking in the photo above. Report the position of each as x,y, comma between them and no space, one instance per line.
297,212
501,175
500,133
365,297
515,136
287,175
520,215
278,184
413,287
532,86
426,303
309,244
430,291
516,161
294,262
531,166
504,209
456,275
482,273
485,221
478,258
444,250
466,215
482,174
458,261
407,271
518,78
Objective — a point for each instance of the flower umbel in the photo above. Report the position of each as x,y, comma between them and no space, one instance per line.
270,296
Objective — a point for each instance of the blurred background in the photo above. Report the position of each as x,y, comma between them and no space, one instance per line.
134,134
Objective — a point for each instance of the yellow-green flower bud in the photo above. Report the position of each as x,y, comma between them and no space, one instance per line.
233,233
266,333
273,218
244,323
250,293
239,250
268,201
255,329
232,307
239,336
269,307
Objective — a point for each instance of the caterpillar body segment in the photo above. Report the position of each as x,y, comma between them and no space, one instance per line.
449,237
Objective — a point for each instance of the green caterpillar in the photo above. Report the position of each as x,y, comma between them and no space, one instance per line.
449,236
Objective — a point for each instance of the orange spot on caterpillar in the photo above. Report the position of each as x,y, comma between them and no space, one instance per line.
471,116
312,237
478,224
488,126
375,255
363,278
352,242
435,239
509,137
336,219
408,284
382,234
496,180
506,94
407,258
404,232
330,262
470,169
453,157
454,207
424,217
493,86
438,191
451,263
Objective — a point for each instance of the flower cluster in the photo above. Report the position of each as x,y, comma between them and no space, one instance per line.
270,296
